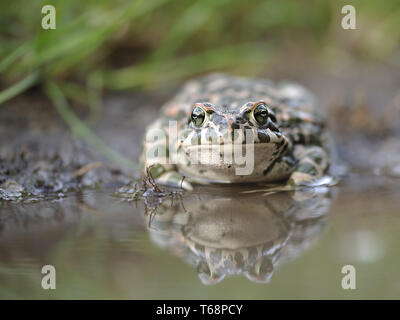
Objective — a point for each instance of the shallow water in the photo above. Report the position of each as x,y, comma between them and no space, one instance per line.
106,247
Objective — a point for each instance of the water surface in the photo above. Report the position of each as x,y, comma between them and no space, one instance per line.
106,247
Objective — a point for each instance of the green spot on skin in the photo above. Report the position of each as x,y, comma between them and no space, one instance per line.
263,137
291,183
156,171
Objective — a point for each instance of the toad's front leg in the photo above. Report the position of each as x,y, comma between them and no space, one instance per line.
313,162
156,158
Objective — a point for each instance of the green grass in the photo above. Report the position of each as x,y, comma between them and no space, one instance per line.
79,128
161,34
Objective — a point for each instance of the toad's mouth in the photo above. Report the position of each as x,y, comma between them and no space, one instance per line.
207,137
222,150
227,162
218,154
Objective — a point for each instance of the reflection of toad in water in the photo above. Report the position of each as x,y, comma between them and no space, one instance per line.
240,234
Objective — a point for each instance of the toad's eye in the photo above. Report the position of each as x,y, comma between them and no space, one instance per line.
260,113
198,116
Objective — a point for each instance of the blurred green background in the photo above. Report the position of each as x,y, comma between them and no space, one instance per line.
135,44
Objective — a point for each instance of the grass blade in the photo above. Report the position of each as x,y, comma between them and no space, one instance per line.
18,87
78,127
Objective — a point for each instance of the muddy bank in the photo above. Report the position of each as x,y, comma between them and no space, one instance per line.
40,156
